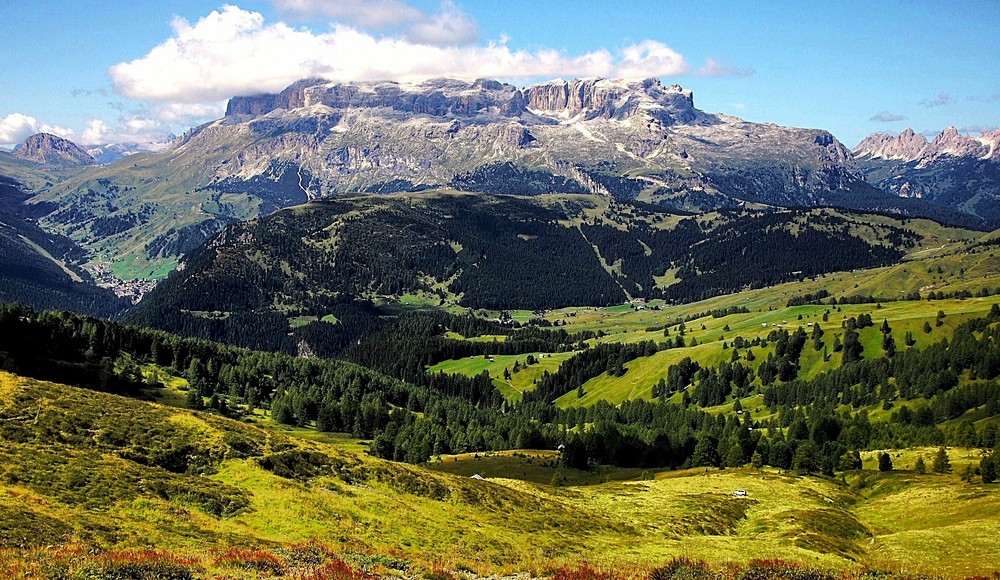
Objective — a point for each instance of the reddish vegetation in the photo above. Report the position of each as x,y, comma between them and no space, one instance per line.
581,572
335,569
313,561
254,559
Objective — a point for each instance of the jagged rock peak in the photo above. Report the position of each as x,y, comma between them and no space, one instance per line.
991,139
907,146
49,149
594,98
951,142
910,146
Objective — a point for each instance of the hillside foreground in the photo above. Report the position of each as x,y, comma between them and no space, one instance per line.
81,488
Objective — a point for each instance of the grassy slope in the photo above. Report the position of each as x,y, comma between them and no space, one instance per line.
89,493
943,263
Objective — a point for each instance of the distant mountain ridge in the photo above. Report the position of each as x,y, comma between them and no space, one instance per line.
952,169
632,140
626,139
359,136
910,146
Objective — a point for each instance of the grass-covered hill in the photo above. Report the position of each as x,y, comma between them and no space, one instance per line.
100,485
260,281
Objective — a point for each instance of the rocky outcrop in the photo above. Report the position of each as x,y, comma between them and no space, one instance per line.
436,98
910,146
952,169
613,99
594,98
47,149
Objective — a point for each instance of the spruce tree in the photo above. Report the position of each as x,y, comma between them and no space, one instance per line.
884,462
941,462
988,469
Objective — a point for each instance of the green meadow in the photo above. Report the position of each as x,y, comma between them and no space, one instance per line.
259,488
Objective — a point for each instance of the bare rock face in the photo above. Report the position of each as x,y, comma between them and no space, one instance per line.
951,142
47,149
906,146
612,99
952,169
991,140
355,136
910,146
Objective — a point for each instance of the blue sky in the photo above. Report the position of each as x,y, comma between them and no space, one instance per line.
123,71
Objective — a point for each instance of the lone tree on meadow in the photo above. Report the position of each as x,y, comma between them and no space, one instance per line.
988,469
941,462
884,462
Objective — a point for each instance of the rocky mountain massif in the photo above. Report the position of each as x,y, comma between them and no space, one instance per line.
134,218
630,140
47,149
952,169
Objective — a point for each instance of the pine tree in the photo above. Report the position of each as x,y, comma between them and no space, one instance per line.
884,462
941,462
988,469
920,466
807,457
194,399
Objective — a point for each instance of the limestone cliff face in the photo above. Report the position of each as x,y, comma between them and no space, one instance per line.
612,99
351,136
437,98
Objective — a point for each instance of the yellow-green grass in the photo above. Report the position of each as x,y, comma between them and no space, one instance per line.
644,372
906,459
932,522
522,380
961,269
483,338
710,334
448,521
300,321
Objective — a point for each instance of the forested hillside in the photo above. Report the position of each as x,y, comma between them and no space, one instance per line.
269,283
818,424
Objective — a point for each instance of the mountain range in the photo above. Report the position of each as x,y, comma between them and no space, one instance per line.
138,216
951,170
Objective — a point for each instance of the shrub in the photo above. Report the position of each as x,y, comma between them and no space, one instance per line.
252,559
683,569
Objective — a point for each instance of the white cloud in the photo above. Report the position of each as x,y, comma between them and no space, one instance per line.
649,58
449,26
134,129
941,99
190,113
234,52
714,69
16,127
887,117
